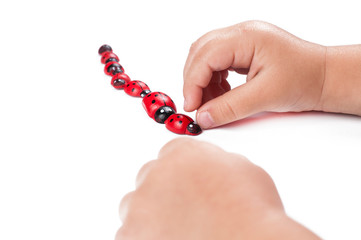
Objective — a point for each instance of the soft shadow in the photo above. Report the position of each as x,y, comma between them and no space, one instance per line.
259,117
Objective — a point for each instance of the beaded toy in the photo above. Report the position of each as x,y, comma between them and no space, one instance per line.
159,106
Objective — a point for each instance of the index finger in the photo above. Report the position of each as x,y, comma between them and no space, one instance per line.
220,50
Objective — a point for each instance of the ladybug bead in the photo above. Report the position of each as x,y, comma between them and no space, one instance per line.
193,129
109,57
159,106
105,48
112,68
136,88
182,124
120,80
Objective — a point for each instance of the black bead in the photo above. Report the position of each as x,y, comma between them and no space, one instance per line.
118,70
115,68
163,113
194,128
111,60
118,82
105,48
144,93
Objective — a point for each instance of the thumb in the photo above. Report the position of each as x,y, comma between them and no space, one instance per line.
241,102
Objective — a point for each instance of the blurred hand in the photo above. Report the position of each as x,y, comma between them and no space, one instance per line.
196,191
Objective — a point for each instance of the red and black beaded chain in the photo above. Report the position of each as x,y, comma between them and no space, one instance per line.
159,106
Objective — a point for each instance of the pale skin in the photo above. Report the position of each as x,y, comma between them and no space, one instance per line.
284,73
195,190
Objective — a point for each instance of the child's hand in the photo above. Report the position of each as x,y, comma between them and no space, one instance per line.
196,191
284,73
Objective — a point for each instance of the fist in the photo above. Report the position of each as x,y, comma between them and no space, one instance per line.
196,190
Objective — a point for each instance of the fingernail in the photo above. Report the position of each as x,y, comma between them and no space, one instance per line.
205,120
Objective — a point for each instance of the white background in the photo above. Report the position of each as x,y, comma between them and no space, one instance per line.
71,145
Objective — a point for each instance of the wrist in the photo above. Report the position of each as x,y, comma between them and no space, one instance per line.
342,83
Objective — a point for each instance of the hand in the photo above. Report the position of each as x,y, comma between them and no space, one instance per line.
196,191
284,73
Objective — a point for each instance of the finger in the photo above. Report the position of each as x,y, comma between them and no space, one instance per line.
143,172
124,204
192,51
216,87
225,85
216,78
224,74
243,71
240,102
199,43
217,54
200,72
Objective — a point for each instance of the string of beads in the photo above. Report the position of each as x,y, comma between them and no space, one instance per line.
159,106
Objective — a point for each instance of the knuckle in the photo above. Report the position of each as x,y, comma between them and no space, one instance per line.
260,173
122,234
124,204
204,40
248,25
252,26
175,147
247,166
193,47
177,142
183,152
144,171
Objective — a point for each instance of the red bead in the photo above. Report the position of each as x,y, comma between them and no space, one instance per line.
105,48
112,68
109,55
182,124
159,106
136,88
120,80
